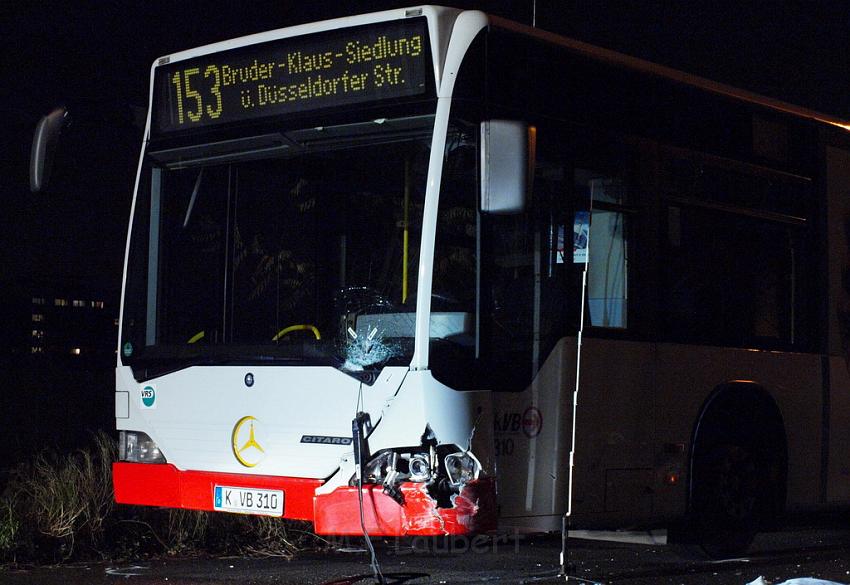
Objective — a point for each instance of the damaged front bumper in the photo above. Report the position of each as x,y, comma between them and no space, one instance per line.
473,511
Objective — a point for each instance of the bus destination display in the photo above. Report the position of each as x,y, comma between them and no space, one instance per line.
335,68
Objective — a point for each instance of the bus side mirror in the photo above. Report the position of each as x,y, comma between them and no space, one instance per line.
44,144
505,147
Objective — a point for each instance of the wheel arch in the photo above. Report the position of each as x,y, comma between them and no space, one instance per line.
742,410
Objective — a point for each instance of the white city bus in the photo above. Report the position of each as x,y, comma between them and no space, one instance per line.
354,281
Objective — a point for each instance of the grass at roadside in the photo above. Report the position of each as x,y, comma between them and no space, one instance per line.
59,507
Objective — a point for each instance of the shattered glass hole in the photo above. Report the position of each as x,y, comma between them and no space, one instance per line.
362,351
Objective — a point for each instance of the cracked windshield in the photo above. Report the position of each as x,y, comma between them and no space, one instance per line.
309,258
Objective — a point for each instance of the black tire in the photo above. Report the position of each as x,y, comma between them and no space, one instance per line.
727,499
738,471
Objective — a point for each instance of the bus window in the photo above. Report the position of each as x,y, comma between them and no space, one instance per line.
607,284
730,278
735,270
194,206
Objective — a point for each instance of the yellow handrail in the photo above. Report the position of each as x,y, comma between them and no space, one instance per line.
406,235
196,337
292,328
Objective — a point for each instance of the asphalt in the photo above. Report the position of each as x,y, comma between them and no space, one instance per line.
800,552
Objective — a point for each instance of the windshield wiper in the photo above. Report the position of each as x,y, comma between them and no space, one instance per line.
194,196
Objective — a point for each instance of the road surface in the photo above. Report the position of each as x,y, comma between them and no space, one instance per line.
793,553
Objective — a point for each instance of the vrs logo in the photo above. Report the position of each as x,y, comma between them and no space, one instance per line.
148,395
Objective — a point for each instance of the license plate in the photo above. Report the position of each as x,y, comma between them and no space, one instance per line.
248,500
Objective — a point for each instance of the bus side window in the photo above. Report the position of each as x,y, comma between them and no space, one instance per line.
607,278
737,265
731,279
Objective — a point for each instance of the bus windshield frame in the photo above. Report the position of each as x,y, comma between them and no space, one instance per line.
240,253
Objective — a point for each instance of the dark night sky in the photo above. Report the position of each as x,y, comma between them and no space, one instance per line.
95,58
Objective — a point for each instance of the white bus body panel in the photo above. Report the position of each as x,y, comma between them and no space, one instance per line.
838,469
614,460
463,419
838,462
624,450
196,410
793,380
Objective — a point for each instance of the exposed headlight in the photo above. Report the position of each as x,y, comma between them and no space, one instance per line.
420,467
137,447
390,466
462,467
444,470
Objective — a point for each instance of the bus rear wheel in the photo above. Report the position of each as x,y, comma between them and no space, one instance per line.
738,470
726,500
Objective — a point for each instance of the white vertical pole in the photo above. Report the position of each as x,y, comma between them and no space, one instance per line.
565,522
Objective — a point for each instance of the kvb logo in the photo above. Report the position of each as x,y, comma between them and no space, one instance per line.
529,423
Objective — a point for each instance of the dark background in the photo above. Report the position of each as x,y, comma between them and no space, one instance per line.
95,58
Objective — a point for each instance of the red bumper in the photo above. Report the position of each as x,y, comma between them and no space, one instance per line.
335,513
164,485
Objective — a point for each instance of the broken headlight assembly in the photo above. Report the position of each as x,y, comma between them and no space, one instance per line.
391,466
444,469
461,467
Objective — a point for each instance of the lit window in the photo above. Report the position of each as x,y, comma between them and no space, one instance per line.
115,322
37,333
97,304
37,317
35,349
79,303
38,300
606,248
75,351
60,302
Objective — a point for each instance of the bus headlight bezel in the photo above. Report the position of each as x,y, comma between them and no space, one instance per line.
138,447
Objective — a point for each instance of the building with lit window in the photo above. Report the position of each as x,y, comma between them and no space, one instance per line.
59,319
57,356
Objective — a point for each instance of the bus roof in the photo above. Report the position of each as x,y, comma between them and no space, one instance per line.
636,64
449,15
